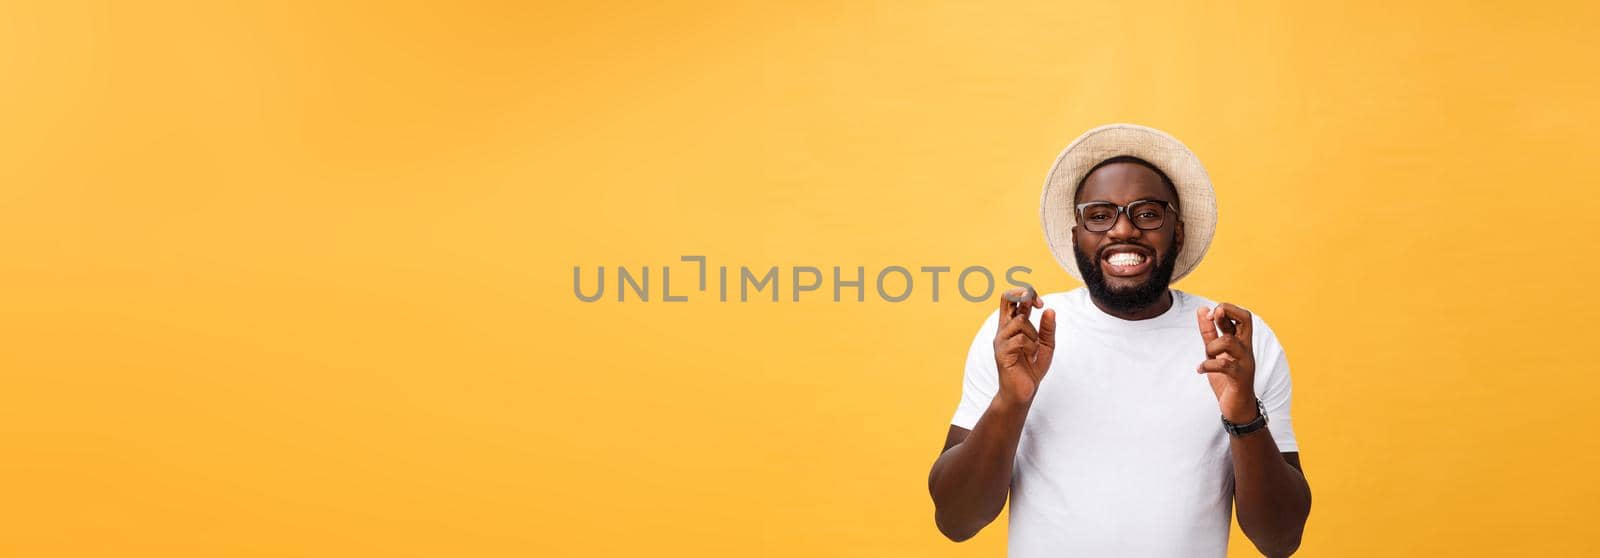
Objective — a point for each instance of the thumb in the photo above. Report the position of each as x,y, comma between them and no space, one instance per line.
1047,336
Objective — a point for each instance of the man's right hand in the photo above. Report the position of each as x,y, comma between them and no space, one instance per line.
1022,354
972,477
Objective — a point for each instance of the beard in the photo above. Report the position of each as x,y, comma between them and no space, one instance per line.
1131,299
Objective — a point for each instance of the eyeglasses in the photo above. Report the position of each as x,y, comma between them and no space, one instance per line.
1147,215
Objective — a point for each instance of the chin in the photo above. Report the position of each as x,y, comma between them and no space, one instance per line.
1112,286
1116,293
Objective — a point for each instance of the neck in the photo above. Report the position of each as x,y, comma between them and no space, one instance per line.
1157,308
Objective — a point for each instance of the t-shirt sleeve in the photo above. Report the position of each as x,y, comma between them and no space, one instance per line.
1273,385
981,380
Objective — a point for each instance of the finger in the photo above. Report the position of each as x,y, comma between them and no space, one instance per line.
1019,325
1225,367
1020,346
1047,328
1019,296
1025,303
1047,336
1034,295
1015,301
1228,345
1208,330
1224,325
1241,317
1007,307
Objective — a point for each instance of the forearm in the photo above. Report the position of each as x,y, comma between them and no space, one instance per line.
1272,497
971,480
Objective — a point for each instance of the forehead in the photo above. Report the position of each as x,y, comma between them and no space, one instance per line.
1121,183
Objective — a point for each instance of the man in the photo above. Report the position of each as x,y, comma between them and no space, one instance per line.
1098,416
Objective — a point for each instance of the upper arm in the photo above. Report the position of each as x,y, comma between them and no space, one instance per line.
955,436
978,386
1293,457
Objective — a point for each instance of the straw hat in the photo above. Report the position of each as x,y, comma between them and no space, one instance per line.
1197,202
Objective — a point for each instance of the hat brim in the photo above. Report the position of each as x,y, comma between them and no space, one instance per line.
1196,199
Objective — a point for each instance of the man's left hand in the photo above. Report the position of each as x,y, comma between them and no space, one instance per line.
1230,364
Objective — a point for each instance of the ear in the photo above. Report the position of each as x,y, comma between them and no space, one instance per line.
1179,234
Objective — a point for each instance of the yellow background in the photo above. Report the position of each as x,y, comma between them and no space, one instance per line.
294,279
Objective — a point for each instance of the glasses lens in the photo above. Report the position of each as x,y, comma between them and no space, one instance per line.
1098,217
1148,215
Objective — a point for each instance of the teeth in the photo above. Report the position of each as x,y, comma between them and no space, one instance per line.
1124,259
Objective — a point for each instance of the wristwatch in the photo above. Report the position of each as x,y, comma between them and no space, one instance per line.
1238,430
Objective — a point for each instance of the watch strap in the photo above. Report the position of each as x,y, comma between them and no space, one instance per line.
1237,430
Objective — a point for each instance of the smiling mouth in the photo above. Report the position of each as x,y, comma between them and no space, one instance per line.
1125,263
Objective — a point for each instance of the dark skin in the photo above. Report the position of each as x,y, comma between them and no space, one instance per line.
971,479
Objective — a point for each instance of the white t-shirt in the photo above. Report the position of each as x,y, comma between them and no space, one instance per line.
1123,451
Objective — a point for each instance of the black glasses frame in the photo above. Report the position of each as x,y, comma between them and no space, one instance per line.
1122,210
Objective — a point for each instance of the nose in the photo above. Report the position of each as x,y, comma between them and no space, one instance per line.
1123,229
